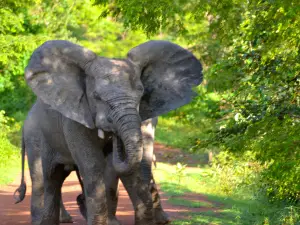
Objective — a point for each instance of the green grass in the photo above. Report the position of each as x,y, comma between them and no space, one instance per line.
209,217
10,164
188,203
10,171
195,181
10,156
238,208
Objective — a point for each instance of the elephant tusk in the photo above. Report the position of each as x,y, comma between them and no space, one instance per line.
100,133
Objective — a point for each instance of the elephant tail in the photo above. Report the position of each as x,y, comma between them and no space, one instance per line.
79,179
19,194
81,198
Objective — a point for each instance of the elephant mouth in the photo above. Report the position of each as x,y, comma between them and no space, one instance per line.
119,148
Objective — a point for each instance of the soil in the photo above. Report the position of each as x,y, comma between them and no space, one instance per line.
14,214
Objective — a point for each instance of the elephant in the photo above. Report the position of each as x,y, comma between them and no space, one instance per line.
31,144
82,96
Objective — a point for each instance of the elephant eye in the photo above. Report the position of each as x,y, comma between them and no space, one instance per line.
109,119
96,95
140,88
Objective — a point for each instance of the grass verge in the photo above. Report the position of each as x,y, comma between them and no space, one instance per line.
10,164
10,171
10,157
198,192
245,205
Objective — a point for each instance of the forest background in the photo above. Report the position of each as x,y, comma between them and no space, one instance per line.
246,114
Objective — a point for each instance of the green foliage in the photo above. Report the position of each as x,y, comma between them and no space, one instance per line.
235,172
188,203
246,205
136,14
272,142
250,50
173,132
9,153
23,30
247,112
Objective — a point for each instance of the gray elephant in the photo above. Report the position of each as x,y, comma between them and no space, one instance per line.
32,144
82,97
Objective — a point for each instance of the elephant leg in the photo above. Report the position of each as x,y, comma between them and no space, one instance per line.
33,150
33,143
37,191
95,197
112,194
53,180
138,191
160,216
64,216
89,158
112,191
148,132
140,200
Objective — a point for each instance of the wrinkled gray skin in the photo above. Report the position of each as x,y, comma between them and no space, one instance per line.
32,145
82,96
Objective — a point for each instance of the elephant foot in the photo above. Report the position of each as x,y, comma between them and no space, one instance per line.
161,217
66,218
144,222
113,221
36,222
48,222
144,215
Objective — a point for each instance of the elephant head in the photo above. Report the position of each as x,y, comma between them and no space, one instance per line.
114,95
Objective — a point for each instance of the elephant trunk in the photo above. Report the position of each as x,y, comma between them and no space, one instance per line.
128,145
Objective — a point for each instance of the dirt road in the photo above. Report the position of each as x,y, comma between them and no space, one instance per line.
14,214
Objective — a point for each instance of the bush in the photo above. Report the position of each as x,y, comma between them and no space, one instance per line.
233,172
243,177
275,143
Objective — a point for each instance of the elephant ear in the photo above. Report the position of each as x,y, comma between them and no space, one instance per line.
168,73
56,75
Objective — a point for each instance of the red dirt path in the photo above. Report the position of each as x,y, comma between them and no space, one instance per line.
14,214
